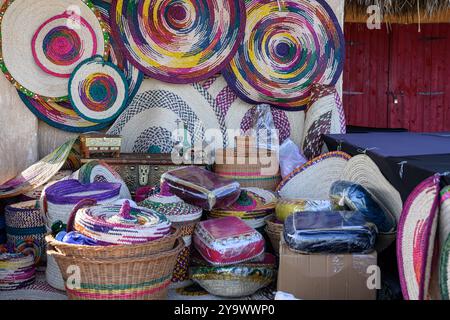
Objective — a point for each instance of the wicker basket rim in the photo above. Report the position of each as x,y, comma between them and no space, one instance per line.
180,244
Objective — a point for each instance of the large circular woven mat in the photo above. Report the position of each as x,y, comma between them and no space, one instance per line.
288,46
179,41
43,41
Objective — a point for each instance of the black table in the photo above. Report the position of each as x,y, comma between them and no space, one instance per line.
405,159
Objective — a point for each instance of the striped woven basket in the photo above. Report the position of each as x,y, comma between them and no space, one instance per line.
249,168
144,278
25,229
274,230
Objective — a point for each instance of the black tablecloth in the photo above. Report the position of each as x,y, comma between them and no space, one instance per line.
405,159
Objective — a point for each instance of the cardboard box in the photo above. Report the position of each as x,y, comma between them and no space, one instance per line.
326,276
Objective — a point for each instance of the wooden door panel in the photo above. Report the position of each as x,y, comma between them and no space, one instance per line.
366,75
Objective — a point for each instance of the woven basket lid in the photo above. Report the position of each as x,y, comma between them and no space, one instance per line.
288,45
251,200
121,223
314,179
172,206
98,90
416,238
43,41
178,41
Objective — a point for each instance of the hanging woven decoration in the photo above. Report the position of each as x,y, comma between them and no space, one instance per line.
121,224
100,171
178,41
288,46
134,75
43,41
98,90
16,270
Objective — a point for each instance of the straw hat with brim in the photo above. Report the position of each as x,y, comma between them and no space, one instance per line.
314,179
363,171
98,90
444,240
43,41
416,237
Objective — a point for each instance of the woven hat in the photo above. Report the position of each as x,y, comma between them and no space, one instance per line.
288,45
314,179
100,171
444,240
43,41
363,171
98,90
121,223
60,115
178,41
416,237
133,75
172,206
159,109
39,173
26,229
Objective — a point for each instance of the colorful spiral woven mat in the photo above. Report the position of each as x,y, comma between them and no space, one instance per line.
178,41
133,75
55,36
25,229
288,46
98,90
16,270
121,224
39,173
100,171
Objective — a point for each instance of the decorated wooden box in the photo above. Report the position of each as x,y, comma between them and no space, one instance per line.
98,143
140,170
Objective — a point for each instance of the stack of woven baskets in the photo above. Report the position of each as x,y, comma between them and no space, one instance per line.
134,256
249,165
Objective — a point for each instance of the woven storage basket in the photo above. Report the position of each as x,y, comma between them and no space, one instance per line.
274,240
273,226
247,168
144,278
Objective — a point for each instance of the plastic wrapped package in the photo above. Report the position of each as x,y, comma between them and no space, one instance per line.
228,240
201,187
237,280
286,207
290,157
329,232
263,128
357,198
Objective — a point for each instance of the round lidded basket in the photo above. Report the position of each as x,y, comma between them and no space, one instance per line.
137,278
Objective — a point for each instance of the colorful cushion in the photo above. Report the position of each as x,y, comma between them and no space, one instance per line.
226,241
329,232
416,236
201,187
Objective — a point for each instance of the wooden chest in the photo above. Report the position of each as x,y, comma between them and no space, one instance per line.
140,170
98,145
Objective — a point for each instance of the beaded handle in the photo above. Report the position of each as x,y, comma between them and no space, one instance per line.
83,203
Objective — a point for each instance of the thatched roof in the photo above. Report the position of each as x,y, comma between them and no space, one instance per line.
402,11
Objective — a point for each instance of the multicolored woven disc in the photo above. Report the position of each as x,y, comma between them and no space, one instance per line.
288,46
60,115
98,90
178,41
134,75
41,43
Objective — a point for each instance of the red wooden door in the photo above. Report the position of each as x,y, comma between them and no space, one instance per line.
419,77
366,76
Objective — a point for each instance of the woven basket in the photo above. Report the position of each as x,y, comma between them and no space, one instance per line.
246,167
144,278
273,226
274,240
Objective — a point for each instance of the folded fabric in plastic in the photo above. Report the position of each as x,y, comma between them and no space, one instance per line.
227,241
357,198
201,187
329,232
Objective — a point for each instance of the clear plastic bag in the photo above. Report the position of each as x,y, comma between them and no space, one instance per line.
290,157
263,128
